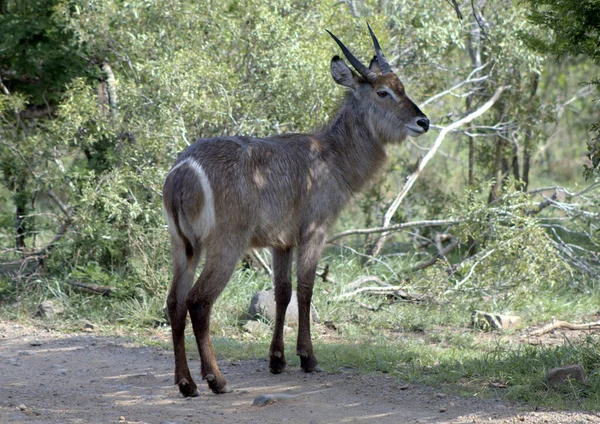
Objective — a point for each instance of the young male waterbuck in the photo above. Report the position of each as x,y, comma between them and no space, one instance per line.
227,194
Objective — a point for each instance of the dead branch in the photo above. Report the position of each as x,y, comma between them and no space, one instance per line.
3,87
112,88
564,324
410,181
456,8
441,253
368,307
396,227
543,204
395,291
262,262
93,288
367,279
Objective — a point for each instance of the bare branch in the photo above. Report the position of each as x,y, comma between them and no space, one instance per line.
454,4
469,80
396,227
443,252
262,262
563,324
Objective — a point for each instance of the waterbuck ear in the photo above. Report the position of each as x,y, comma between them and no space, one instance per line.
374,65
342,74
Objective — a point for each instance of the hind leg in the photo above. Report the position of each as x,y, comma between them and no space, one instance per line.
218,268
183,275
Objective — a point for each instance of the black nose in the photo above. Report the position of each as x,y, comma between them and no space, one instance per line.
423,123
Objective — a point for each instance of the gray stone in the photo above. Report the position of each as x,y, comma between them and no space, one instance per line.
263,305
268,399
557,376
47,309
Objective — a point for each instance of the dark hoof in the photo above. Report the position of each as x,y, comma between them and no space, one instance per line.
217,386
309,364
188,388
277,363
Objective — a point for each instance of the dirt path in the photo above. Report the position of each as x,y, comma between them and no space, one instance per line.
48,377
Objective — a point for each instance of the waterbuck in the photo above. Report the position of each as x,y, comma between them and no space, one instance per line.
227,194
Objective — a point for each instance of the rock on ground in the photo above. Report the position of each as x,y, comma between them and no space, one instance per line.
263,305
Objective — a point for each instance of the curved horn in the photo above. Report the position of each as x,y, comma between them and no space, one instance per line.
362,69
383,63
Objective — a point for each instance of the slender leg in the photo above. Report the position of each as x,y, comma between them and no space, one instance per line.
183,275
309,252
282,280
214,277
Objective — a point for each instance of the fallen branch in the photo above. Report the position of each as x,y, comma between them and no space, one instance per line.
403,226
563,324
93,288
441,253
395,291
367,279
412,178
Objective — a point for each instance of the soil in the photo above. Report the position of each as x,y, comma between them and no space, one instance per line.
51,377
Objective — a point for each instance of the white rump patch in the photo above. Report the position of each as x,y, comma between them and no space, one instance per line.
206,219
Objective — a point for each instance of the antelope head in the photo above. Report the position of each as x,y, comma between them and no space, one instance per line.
381,97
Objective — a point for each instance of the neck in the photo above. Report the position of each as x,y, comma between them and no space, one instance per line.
356,150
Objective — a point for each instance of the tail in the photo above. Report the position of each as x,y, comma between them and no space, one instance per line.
174,211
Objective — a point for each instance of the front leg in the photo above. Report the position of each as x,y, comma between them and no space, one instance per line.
282,281
309,252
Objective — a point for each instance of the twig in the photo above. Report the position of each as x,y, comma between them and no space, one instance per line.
563,324
262,262
415,175
443,252
473,267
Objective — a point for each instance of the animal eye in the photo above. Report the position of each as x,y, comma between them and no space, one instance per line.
382,93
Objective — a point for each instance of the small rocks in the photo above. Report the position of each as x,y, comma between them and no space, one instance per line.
47,309
263,400
556,376
36,342
22,407
87,326
489,321
257,328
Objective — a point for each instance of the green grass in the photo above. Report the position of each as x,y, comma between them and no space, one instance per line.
429,343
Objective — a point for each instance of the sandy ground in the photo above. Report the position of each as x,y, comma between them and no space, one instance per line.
48,377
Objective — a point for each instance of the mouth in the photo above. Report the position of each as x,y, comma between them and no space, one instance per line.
415,131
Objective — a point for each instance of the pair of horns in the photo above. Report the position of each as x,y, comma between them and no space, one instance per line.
362,69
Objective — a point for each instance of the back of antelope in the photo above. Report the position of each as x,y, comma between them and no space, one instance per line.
227,194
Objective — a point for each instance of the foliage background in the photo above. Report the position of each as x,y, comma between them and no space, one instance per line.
99,97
